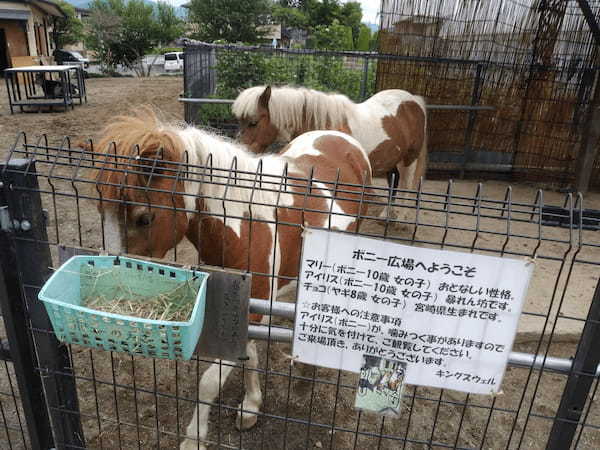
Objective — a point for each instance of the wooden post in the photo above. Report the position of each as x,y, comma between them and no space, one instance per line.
590,142
591,130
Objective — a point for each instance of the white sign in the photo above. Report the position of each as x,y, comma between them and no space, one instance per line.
452,317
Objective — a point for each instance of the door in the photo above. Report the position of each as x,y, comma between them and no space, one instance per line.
3,51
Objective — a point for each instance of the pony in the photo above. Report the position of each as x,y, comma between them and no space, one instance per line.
233,218
391,125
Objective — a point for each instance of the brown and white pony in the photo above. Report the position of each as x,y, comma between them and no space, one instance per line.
231,224
391,125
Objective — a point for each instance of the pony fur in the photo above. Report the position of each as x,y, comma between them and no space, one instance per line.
391,125
250,222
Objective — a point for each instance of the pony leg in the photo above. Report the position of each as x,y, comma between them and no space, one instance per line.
410,177
408,181
211,383
393,177
252,402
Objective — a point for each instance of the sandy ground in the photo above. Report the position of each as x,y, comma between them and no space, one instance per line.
567,270
107,98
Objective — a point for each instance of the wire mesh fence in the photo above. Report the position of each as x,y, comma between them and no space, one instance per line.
125,401
221,71
14,431
535,61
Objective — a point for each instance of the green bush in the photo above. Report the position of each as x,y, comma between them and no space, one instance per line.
240,70
214,114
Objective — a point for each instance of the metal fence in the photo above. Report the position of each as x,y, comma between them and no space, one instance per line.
221,71
536,62
535,66
98,399
215,74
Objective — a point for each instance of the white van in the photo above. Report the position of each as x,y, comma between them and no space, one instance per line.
173,61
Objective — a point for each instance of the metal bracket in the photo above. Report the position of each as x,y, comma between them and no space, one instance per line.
5,222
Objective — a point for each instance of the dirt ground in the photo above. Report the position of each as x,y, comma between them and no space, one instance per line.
107,97
128,399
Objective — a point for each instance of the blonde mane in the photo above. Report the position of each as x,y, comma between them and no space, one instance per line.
130,134
144,130
294,109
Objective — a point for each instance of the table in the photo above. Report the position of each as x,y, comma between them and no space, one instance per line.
24,92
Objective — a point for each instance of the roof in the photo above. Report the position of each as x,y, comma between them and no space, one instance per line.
49,7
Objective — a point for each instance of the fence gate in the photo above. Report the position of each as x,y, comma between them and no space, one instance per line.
74,397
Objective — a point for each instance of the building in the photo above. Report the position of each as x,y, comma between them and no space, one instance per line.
26,31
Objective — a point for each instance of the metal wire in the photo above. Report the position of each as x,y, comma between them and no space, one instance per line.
132,402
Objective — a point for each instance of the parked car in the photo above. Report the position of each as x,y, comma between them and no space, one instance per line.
62,56
173,61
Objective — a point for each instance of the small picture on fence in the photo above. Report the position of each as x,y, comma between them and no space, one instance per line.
380,386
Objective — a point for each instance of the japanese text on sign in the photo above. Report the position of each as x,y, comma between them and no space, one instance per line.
452,317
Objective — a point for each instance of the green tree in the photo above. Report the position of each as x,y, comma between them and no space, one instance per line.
67,30
373,46
123,31
289,17
351,15
364,38
170,27
322,12
290,3
333,37
229,20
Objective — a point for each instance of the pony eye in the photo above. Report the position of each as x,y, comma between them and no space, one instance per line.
252,124
145,220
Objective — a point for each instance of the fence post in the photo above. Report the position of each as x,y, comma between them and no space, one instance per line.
186,90
475,97
365,79
20,342
579,383
31,266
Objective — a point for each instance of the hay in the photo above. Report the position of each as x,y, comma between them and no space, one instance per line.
175,305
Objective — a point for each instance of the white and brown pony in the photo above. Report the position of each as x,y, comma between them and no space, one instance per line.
230,217
391,125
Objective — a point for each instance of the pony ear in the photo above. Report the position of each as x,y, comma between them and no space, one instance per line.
263,100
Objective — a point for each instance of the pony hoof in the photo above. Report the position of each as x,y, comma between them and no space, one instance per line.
190,444
246,421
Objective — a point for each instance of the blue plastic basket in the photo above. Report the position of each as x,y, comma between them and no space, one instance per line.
66,290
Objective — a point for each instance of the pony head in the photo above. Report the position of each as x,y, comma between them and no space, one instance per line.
141,199
251,108
280,114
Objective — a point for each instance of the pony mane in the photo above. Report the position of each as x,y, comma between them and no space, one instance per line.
293,108
145,130
142,130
